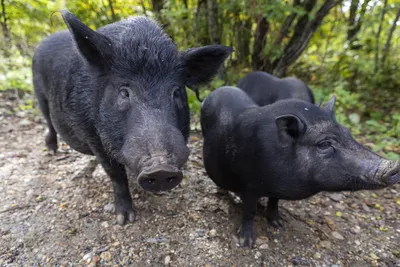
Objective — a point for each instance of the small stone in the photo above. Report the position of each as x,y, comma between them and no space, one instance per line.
95,259
296,261
263,246
257,255
326,244
317,256
336,197
106,256
213,233
355,230
136,196
357,242
373,256
88,257
109,208
261,240
105,224
337,236
167,260
365,207
24,122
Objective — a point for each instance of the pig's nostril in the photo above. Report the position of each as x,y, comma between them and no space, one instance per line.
394,174
171,179
151,180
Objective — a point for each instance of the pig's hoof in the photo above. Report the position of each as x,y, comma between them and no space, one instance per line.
277,223
125,214
246,238
275,220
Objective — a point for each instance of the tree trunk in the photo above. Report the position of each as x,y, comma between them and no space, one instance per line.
378,35
201,24
389,39
354,24
352,19
4,23
157,6
214,29
304,30
286,25
260,39
110,3
243,36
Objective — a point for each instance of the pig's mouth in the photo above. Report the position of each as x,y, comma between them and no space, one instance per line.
390,172
386,174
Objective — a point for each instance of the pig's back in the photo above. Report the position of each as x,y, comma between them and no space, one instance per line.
261,87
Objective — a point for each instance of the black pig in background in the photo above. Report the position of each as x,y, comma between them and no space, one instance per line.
264,88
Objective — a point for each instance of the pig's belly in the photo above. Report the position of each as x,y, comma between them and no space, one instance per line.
68,135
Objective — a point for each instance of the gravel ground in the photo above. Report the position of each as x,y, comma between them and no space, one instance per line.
54,211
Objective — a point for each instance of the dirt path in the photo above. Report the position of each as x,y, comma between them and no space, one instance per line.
53,212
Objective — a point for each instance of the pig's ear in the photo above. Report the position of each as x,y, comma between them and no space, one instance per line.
203,63
330,104
94,47
290,127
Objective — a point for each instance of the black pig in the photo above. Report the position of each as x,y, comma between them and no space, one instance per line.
119,93
264,88
291,149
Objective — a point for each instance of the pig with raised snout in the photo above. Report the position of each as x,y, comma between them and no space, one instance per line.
119,93
264,88
291,149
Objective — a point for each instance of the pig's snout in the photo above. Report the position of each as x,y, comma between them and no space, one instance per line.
160,178
391,173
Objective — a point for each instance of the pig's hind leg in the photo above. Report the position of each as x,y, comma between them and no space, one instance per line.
273,216
51,137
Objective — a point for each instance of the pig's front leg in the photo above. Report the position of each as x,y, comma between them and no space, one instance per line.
249,211
273,216
122,196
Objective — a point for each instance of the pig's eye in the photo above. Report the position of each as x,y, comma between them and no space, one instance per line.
323,145
124,92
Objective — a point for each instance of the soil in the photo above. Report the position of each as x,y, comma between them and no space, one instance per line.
54,211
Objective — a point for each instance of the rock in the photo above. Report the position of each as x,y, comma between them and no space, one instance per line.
336,197
317,256
355,230
326,244
106,256
109,208
24,122
105,224
160,239
167,260
257,255
365,207
337,235
213,233
95,259
263,246
296,261
261,240
88,257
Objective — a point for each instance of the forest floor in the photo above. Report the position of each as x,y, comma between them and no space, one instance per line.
53,212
